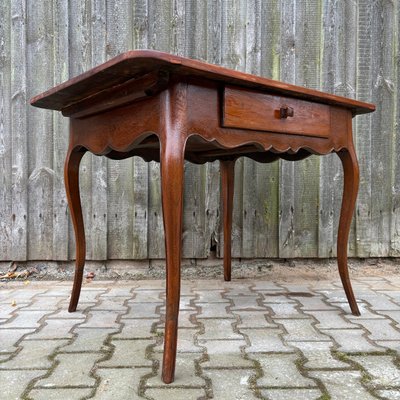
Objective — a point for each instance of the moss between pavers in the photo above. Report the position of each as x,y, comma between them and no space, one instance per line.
366,378
324,397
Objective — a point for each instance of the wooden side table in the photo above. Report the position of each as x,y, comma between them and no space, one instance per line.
167,108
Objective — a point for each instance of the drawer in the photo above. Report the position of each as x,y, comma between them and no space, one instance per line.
249,109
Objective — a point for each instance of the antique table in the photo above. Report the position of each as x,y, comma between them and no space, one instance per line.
167,108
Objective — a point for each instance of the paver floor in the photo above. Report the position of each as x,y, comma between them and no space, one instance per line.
245,339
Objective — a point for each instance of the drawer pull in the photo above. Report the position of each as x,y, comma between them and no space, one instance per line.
286,111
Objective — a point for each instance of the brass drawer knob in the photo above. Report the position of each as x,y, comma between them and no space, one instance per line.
286,111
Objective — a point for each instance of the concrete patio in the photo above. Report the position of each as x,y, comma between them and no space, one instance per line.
244,339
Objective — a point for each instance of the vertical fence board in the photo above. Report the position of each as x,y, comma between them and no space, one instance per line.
250,175
286,173
330,167
266,203
306,172
160,21
60,132
5,131
395,217
233,56
79,61
140,167
40,154
194,222
19,129
382,27
214,235
363,129
348,89
120,173
99,216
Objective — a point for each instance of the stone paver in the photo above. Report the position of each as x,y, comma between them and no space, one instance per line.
176,394
25,319
301,330
57,394
218,329
319,355
14,384
33,354
129,353
89,340
120,383
10,337
244,339
232,384
266,340
136,329
285,310
291,394
353,341
381,369
253,319
71,371
280,370
225,354
343,384
55,329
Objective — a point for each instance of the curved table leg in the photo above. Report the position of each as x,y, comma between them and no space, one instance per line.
71,179
350,190
172,175
227,177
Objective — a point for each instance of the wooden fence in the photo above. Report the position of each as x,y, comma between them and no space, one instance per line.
347,47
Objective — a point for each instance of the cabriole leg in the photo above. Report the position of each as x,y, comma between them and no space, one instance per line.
71,179
172,175
350,190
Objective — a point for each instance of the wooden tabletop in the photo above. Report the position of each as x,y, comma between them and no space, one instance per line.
134,64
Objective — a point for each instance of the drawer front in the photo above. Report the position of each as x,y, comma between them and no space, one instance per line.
248,109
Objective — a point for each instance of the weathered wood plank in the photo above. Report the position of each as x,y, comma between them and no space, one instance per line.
267,175
286,173
60,132
40,156
120,173
99,216
250,189
80,60
19,129
194,223
382,126
140,167
233,45
332,31
212,243
395,217
306,172
5,132
349,55
160,14
363,130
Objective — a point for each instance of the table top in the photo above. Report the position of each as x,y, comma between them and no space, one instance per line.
137,63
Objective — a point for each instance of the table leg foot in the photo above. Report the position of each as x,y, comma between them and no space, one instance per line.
71,179
172,175
227,178
350,190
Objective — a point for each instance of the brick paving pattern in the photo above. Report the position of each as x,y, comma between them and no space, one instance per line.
245,339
